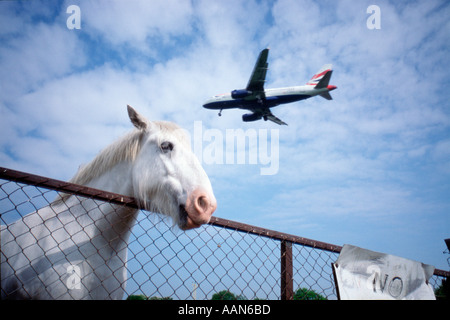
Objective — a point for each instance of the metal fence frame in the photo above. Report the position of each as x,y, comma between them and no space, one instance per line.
296,254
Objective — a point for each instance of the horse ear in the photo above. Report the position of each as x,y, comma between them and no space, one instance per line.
138,121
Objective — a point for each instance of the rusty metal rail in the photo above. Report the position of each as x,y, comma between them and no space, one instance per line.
287,240
65,187
71,188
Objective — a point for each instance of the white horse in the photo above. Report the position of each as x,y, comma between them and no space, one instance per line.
76,248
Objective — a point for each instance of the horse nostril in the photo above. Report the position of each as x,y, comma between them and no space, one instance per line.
203,203
200,205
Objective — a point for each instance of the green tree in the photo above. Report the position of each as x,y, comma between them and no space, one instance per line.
227,295
224,295
306,294
137,297
144,297
443,291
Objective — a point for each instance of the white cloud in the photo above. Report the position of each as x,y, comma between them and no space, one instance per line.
134,23
231,24
354,199
40,53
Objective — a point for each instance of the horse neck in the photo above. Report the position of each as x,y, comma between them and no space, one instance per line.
114,222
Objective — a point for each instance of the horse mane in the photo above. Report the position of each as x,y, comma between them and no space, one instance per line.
125,148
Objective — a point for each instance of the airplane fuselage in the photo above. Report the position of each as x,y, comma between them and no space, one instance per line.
273,97
259,100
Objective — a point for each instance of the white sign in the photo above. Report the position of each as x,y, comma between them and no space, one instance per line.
361,274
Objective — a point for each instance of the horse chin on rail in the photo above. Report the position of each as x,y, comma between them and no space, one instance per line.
85,239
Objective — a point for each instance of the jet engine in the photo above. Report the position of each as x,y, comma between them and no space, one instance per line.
240,94
251,117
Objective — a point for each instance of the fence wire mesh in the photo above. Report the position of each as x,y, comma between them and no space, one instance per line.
164,262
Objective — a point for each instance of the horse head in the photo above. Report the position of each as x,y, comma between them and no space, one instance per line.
167,176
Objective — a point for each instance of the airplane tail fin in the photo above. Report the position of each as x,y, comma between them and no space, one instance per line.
322,77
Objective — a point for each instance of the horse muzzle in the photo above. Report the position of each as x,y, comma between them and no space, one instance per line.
200,205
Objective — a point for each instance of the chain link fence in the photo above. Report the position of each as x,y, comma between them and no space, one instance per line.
164,262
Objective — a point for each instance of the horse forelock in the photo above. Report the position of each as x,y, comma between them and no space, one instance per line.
173,130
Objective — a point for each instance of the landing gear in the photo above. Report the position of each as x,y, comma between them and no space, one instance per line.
220,113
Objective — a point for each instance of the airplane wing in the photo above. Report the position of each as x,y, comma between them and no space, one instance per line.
258,77
268,115
264,113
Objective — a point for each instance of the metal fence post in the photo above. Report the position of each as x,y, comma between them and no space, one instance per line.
287,284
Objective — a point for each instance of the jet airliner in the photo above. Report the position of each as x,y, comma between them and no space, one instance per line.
259,100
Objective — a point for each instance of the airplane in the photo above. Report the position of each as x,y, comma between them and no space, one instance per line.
259,100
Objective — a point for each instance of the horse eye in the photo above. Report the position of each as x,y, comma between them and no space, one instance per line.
166,146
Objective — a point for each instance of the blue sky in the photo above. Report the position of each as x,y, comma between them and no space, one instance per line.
370,168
